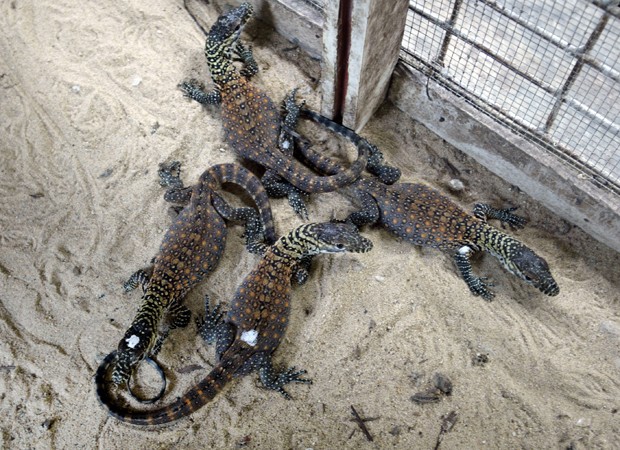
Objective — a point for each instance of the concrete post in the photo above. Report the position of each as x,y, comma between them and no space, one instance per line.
361,42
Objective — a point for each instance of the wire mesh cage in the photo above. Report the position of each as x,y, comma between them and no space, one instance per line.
547,70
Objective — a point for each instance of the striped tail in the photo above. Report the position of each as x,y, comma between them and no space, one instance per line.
302,178
387,174
234,173
198,396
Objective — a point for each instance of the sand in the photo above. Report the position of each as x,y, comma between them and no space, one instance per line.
89,108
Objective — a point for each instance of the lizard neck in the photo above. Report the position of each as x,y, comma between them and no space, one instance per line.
160,292
223,72
294,247
496,242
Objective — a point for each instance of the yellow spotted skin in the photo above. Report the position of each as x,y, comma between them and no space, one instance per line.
255,325
251,121
190,250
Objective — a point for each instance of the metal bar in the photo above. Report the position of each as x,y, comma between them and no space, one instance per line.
343,51
609,6
447,38
603,122
570,80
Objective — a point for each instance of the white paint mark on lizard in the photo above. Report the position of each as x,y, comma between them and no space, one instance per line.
465,250
250,337
132,341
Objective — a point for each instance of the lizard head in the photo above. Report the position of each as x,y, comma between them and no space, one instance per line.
226,30
329,237
531,268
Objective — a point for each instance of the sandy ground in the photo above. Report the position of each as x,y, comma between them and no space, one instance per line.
89,108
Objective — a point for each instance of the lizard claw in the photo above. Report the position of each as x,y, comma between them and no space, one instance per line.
170,174
292,375
207,325
479,286
296,201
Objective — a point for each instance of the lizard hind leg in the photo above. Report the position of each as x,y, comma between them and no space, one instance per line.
254,230
272,379
276,187
213,329
208,324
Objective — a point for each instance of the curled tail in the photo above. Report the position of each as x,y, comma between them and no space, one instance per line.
338,177
375,164
234,173
198,396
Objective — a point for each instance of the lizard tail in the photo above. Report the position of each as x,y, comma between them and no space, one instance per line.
234,173
387,174
337,177
198,396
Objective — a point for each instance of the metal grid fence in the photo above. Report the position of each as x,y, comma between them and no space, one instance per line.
547,70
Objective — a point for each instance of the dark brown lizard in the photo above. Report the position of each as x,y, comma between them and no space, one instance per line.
254,326
190,250
251,121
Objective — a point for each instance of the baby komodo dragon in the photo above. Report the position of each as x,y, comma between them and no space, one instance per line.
255,324
251,121
190,250
424,216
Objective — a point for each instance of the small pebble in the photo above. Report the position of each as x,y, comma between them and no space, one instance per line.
426,397
380,278
76,89
136,80
456,185
48,423
395,431
442,383
584,422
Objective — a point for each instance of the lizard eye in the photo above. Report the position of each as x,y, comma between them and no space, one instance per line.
340,246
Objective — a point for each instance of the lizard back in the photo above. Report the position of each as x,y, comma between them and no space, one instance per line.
422,215
191,249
